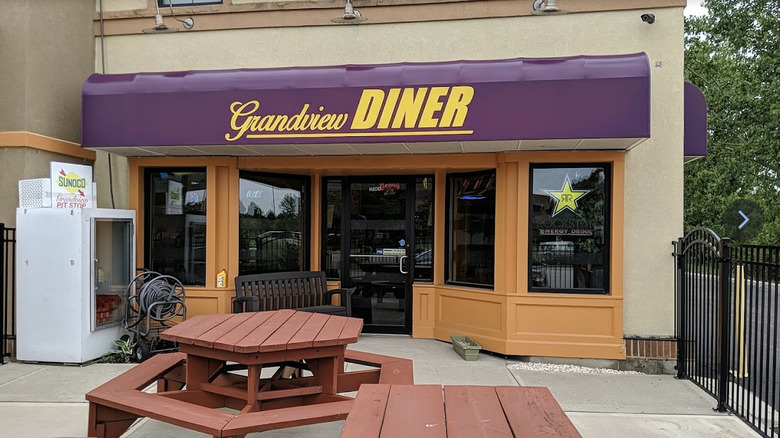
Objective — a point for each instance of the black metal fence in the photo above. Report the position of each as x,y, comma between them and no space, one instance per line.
7,288
563,267
728,310
272,251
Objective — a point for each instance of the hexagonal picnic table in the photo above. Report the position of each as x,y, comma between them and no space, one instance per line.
219,366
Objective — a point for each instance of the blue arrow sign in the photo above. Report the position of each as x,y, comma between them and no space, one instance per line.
746,219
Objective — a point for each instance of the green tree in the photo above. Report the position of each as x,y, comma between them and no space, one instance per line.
290,218
290,205
733,55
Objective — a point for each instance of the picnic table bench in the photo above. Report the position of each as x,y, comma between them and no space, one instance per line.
220,365
424,411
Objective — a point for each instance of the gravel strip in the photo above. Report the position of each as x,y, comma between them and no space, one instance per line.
559,368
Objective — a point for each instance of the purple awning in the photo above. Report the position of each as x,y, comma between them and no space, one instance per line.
695,144
592,99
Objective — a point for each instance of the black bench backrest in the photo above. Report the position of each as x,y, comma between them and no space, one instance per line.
284,290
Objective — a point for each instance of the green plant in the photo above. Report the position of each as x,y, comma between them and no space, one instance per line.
123,355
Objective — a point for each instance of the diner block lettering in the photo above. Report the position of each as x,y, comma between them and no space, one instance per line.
410,108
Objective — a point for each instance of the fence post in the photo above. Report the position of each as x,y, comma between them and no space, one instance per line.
679,253
724,289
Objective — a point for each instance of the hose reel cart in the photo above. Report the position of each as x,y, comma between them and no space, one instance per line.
154,303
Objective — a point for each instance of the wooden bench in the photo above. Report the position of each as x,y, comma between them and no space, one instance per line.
115,405
162,368
107,415
385,369
300,290
456,412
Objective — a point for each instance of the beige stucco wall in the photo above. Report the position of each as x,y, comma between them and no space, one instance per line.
654,174
24,163
594,33
112,188
121,5
46,52
13,59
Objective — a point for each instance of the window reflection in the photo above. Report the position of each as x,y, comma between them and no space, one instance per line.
187,2
272,228
176,231
333,228
472,221
423,229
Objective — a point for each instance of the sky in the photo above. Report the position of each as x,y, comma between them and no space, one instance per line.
694,8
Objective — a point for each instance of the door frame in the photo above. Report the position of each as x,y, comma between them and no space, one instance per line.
346,182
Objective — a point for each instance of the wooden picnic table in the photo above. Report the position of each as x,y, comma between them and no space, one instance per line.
428,411
259,339
220,365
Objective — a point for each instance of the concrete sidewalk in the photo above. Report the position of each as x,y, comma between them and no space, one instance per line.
48,400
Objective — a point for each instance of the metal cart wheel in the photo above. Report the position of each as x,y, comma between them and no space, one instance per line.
142,350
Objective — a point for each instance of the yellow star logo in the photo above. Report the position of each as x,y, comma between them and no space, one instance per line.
566,198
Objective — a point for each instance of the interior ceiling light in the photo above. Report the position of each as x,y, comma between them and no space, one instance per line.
351,15
159,25
547,7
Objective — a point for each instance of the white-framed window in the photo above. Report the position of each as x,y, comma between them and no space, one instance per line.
188,2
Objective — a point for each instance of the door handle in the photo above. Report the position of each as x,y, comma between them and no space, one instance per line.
401,264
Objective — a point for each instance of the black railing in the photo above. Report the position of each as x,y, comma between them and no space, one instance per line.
728,315
562,267
8,289
754,390
272,251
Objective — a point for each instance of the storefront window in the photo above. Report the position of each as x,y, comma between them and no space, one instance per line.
471,228
569,239
187,2
423,229
272,224
332,223
176,224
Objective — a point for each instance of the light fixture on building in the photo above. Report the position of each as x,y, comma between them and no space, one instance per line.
547,7
351,15
159,25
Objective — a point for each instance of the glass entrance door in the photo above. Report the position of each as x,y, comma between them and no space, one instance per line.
378,251
383,227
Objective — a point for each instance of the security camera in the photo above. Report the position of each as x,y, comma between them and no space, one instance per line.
648,18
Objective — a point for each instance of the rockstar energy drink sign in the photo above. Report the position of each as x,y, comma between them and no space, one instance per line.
71,185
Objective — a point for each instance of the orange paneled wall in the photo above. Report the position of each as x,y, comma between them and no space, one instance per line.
506,319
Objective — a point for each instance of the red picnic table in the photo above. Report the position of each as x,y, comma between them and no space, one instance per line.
430,411
220,363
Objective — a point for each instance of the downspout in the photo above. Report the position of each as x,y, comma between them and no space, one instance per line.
103,67
102,41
